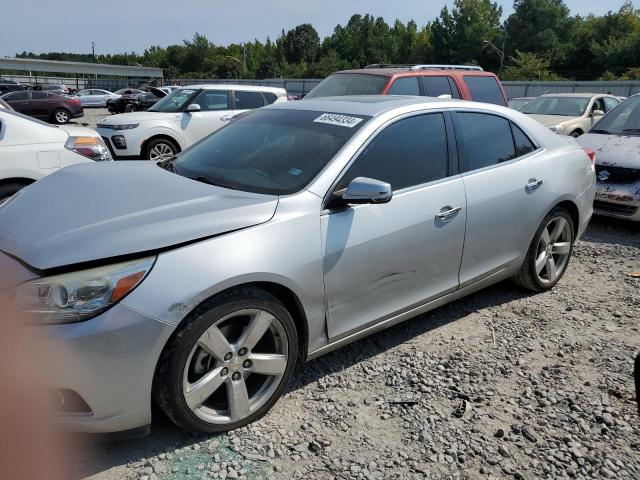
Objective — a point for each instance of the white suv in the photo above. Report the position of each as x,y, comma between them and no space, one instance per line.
31,149
182,118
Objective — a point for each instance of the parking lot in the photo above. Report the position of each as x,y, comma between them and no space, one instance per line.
546,381
92,116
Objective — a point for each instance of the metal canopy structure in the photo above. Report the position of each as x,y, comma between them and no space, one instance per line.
78,68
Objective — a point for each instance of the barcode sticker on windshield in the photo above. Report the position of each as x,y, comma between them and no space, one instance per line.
340,120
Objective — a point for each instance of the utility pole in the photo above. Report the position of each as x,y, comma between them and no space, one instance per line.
93,51
244,57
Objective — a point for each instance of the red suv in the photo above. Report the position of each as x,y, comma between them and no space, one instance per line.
449,81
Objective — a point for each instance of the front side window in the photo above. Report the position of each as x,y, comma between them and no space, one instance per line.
176,101
248,100
624,120
484,89
404,86
486,139
275,152
340,84
16,96
563,106
409,152
212,100
610,103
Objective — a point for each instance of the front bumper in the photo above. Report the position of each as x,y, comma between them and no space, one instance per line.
109,361
132,143
618,200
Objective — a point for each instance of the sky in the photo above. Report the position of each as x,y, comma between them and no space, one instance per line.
124,25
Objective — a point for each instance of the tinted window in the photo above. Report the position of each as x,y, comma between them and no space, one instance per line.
436,86
404,86
39,95
564,106
610,103
349,84
623,120
267,151
523,144
484,89
175,102
407,153
269,97
213,100
486,139
248,100
17,96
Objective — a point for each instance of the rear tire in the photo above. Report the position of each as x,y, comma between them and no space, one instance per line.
61,116
9,189
228,364
549,253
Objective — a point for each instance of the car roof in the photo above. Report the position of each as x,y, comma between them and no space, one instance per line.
576,95
408,72
369,105
241,88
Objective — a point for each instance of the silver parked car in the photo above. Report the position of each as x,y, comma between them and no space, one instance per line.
95,98
292,231
616,141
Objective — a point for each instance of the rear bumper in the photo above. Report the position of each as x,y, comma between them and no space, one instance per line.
618,200
585,209
109,361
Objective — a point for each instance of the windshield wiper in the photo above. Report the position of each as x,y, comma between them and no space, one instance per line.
599,130
631,130
215,183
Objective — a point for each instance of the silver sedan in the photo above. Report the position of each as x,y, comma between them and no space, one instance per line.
95,98
294,230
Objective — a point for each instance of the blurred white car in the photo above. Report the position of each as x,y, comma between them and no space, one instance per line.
95,98
570,113
31,149
182,118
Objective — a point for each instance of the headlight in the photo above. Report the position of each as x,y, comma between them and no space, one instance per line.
557,129
90,147
73,297
128,126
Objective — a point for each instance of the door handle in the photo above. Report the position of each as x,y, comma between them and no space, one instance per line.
447,212
226,118
533,184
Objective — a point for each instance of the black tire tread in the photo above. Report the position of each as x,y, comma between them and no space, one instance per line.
9,189
150,143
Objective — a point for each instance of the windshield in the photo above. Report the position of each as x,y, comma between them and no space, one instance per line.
518,103
623,119
269,151
565,106
176,101
341,84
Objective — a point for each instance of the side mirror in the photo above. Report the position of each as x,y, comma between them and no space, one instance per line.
194,107
597,113
367,190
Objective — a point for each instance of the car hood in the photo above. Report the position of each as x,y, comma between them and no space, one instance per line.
98,211
137,117
549,120
613,150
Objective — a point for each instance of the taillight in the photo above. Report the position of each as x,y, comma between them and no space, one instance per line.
90,147
591,153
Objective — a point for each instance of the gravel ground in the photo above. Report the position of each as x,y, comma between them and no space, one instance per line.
502,384
92,115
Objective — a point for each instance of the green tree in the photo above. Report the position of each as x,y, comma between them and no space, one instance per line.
301,44
537,26
528,66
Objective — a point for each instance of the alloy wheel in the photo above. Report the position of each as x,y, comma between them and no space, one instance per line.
235,367
554,248
161,151
62,116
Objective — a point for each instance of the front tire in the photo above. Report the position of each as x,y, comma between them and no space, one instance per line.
9,189
549,253
160,149
229,364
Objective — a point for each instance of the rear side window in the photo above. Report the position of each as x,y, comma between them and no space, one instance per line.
269,97
213,100
39,95
523,144
249,100
436,86
486,139
404,86
484,89
409,152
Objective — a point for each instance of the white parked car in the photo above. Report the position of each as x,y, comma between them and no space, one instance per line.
182,118
31,149
95,98
570,113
